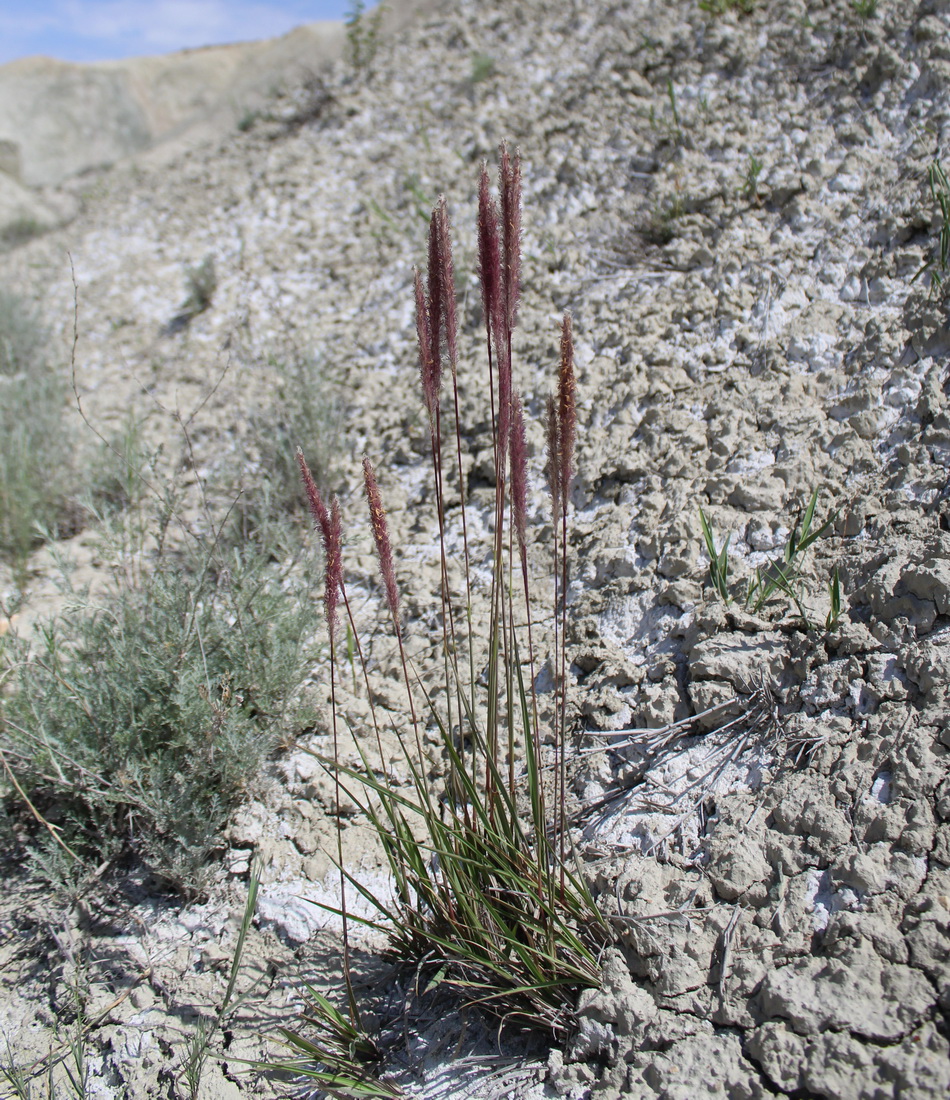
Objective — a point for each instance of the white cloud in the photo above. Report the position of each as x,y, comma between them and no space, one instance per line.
98,29
173,24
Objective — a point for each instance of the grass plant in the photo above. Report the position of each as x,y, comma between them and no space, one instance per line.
723,7
199,1047
20,231
200,282
32,414
781,576
303,411
750,182
864,9
363,33
718,559
834,600
487,897
939,262
484,67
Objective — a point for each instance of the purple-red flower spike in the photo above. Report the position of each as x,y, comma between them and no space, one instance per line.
377,516
489,255
509,186
554,459
566,411
519,472
447,283
330,531
334,569
436,296
428,366
317,508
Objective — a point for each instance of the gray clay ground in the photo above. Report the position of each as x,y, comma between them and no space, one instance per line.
781,889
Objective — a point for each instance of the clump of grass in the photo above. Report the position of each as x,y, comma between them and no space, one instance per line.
200,282
304,411
661,225
718,559
671,128
723,7
864,9
363,34
750,182
33,500
487,895
248,119
137,721
940,193
20,231
782,576
199,1046
483,67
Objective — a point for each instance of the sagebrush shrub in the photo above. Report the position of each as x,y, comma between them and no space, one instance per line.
137,720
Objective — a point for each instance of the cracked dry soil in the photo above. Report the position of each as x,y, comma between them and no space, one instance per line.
777,869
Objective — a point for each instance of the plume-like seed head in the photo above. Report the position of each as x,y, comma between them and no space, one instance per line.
509,186
328,521
519,472
377,517
489,255
436,296
554,459
315,501
447,283
567,410
334,567
428,367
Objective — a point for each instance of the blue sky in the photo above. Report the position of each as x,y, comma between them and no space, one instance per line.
98,30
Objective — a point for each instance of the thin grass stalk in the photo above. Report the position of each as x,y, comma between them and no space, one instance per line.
378,522
450,325
328,520
509,187
337,799
519,493
490,271
554,484
442,327
567,422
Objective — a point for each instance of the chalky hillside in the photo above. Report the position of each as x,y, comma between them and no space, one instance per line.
744,206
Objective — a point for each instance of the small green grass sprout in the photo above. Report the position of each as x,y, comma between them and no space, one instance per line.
939,262
834,594
864,9
718,560
782,576
750,183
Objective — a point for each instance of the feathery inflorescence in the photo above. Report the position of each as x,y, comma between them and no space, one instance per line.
429,365
566,412
330,525
489,256
509,187
384,552
447,282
